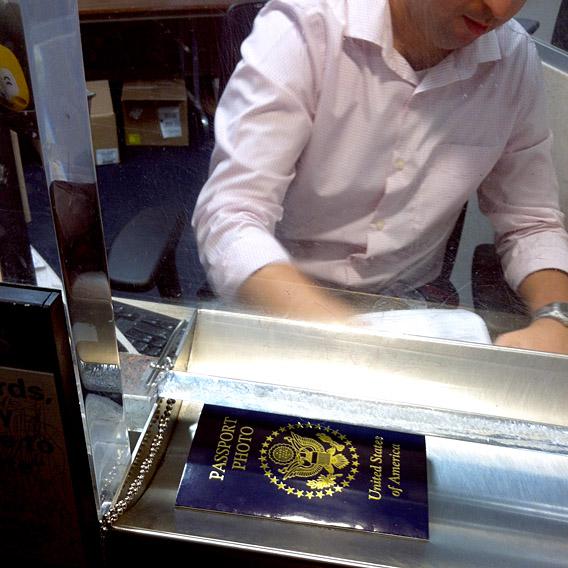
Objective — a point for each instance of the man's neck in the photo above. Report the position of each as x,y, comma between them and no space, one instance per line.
410,40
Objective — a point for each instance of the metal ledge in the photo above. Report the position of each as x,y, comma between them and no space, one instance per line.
465,391
552,55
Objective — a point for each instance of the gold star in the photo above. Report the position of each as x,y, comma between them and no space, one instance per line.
274,480
327,429
319,494
310,494
269,438
355,462
338,489
262,452
290,426
267,474
274,434
329,492
265,445
350,477
354,470
299,493
282,429
342,437
318,426
281,485
309,425
345,483
290,490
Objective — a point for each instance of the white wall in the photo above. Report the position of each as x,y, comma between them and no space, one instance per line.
557,91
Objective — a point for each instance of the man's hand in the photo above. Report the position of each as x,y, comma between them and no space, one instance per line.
542,335
282,290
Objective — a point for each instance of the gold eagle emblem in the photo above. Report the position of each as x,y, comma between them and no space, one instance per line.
317,460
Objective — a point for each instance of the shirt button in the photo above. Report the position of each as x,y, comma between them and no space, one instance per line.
399,164
378,225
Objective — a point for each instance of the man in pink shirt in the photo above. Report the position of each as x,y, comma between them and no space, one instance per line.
348,140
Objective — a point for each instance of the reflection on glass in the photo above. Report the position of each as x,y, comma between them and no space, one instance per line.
51,139
385,249
348,145
16,263
329,191
343,187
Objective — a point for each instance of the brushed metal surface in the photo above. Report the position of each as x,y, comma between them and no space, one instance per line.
489,506
477,392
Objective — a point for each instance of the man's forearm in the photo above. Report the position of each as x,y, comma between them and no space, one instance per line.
282,290
543,287
545,334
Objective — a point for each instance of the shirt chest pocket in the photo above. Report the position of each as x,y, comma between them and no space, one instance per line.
455,171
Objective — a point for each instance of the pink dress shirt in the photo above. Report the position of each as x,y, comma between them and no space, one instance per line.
334,155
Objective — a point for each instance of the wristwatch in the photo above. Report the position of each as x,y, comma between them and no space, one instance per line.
555,310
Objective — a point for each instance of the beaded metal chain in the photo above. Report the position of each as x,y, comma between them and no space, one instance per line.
145,463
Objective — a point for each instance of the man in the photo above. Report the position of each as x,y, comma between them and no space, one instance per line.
351,135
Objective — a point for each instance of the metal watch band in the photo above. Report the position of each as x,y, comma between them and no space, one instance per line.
555,310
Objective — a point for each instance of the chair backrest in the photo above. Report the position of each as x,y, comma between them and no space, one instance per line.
531,26
237,25
452,246
560,34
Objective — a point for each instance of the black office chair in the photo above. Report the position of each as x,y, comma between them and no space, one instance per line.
489,289
530,25
560,33
143,255
442,290
237,25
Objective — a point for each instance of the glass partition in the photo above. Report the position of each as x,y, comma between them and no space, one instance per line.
390,251
338,183
46,146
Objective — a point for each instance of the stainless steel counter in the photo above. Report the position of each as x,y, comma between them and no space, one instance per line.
461,390
489,506
497,441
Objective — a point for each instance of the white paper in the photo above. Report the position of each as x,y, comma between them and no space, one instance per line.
106,156
458,324
170,121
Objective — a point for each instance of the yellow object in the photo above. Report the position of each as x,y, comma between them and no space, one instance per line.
14,92
134,139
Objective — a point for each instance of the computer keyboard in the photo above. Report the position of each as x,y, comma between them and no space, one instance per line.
147,331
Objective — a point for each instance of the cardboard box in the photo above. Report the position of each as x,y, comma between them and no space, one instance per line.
155,113
103,124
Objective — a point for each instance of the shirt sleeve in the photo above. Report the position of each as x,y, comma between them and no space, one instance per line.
521,195
262,124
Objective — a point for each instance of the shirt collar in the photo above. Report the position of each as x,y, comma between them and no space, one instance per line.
371,21
482,50
367,19
462,64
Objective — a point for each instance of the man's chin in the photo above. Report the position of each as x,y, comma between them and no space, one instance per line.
459,43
